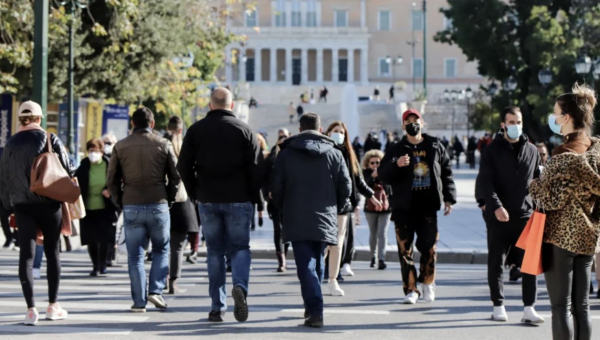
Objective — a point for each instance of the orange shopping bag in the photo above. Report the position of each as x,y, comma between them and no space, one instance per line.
531,241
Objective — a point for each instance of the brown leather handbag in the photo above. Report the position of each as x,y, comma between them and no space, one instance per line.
50,179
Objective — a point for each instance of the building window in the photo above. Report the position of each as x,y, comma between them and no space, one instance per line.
311,13
251,19
448,23
296,14
417,20
385,23
341,18
417,68
280,14
384,68
450,67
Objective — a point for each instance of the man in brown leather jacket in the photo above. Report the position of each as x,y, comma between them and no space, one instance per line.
143,177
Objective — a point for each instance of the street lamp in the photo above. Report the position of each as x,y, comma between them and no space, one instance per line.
583,65
596,70
492,92
413,43
468,95
510,84
545,77
392,64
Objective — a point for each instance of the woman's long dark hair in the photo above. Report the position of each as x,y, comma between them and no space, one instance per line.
347,145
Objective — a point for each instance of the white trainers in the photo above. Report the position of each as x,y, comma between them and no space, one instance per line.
36,273
346,270
530,316
56,313
411,298
334,288
428,292
32,317
499,314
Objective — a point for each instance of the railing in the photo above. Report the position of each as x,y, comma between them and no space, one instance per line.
269,30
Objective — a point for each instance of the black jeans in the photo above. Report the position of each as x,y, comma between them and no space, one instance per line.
502,238
280,247
177,242
349,251
30,218
98,252
568,278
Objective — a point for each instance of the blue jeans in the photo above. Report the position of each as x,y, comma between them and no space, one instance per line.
143,222
227,229
39,254
311,269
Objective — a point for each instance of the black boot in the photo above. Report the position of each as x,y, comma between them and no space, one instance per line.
282,265
373,263
382,265
173,289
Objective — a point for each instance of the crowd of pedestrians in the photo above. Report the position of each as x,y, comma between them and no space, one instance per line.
312,184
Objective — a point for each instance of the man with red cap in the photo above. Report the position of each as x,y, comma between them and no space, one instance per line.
419,170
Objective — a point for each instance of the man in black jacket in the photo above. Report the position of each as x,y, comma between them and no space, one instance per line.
219,165
508,165
311,184
420,173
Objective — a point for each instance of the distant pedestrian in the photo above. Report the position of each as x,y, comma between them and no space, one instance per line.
309,163
376,94
299,111
219,165
372,142
420,174
471,148
379,221
543,151
323,94
458,148
110,140
99,226
358,148
508,165
143,179
32,212
392,93
291,112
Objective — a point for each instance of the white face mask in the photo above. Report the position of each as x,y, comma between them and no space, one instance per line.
95,157
338,137
108,149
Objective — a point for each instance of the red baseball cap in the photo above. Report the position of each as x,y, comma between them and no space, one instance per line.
410,112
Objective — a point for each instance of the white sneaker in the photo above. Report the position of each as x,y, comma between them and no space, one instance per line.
36,273
32,317
530,316
346,270
411,298
499,314
334,288
56,313
428,292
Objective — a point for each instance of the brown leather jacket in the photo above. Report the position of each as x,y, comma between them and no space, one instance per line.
142,170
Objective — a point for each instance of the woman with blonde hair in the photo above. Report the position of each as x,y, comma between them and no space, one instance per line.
569,192
379,221
339,133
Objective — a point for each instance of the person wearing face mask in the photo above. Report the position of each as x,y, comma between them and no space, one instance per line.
419,171
569,192
508,165
110,140
99,226
346,227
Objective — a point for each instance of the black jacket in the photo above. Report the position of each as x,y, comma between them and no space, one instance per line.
371,184
15,166
359,187
310,184
504,178
401,179
83,177
220,160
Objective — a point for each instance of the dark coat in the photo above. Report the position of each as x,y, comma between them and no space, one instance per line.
83,177
15,166
359,187
372,144
220,160
371,182
401,179
504,178
310,185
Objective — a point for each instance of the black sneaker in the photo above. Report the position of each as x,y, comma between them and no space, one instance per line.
216,316
306,315
314,321
157,301
382,265
373,263
240,309
94,273
515,274
229,269
7,244
103,271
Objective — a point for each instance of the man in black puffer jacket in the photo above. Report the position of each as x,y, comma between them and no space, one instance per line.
311,184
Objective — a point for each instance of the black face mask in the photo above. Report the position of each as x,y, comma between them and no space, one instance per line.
413,129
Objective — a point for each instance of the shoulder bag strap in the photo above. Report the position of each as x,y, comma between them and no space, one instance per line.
49,141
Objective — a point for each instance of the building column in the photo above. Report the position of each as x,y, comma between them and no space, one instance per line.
351,65
335,65
288,66
364,66
258,65
242,65
363,13
304,63
288,13
273,65
319,66
228,66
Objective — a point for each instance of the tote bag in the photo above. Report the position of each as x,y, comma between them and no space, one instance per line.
77,209
531,241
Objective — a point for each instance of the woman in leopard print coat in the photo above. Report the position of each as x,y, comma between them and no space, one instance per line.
569,192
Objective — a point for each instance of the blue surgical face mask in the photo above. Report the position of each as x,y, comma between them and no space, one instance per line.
514,131
553,125
338,137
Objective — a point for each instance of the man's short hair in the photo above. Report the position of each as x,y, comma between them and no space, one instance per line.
142,117
221,98
510,110
175,124
310,121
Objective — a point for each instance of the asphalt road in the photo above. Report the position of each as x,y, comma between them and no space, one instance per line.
371,309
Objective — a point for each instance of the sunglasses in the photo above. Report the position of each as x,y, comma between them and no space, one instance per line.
374,163
282,137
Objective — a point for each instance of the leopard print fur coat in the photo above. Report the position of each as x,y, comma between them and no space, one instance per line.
569,192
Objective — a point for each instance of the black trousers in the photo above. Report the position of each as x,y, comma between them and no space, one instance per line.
348,250
568,278
502,238
280,247
98,252
30,218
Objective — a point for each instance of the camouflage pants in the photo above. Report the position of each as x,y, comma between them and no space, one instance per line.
426,230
